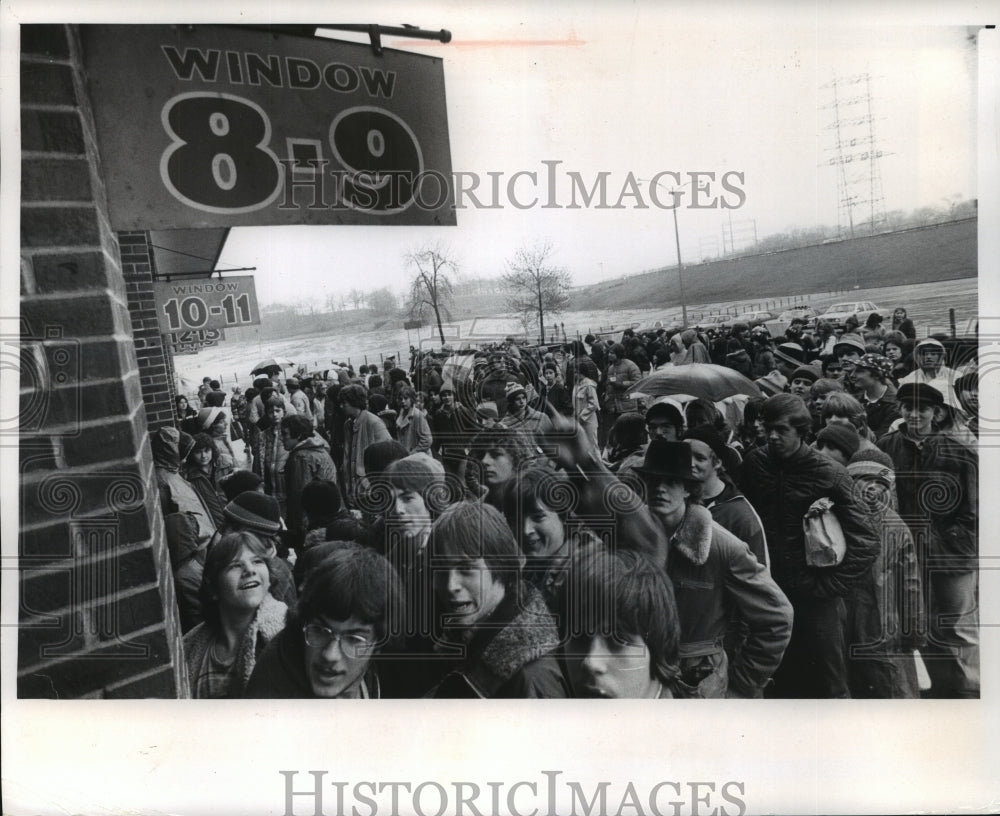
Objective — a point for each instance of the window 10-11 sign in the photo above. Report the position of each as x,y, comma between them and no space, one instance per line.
187,306
209,126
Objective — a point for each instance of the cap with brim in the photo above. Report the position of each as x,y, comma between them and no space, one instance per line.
729,458
877,363
919,394
772,383
852,342
666,460
790,353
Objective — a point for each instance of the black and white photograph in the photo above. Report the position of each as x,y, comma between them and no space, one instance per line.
616,366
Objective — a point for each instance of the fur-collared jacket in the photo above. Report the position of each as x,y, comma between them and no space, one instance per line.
267,623
714,575
511,655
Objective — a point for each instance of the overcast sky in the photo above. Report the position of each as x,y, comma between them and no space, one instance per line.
642,89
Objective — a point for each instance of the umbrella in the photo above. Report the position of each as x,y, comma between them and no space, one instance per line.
270,363
712,382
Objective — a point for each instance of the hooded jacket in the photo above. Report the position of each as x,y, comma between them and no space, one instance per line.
781,491
176,493
308,460
714,575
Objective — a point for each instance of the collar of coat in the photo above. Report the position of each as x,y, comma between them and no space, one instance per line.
267,623
519,632
693,539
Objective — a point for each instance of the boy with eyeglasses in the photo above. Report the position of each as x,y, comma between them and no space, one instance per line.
329,647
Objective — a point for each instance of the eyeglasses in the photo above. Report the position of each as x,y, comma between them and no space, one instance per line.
352,645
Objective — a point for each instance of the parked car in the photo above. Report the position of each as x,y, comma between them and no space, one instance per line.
798,313
713,322
753,318
839,312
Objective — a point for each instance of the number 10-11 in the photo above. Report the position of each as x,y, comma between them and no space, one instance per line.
193,313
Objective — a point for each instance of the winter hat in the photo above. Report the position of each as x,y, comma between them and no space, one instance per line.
919,394
872,463
806,372
379,455
255,511
772,383
791,353
513,388
842,437
729,458
207,417
668,410
240,481
852,341
968,381
666,460
881,365
487,410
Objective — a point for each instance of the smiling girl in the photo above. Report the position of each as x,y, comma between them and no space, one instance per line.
240,614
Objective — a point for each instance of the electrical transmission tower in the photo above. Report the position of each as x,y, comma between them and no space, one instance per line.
856,155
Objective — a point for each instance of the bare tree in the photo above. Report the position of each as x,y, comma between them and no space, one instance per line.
535,286
357,297
431,287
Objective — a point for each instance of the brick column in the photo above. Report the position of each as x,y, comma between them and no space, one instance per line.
156,370
97,610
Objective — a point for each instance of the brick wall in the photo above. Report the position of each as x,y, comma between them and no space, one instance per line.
156,372
97,610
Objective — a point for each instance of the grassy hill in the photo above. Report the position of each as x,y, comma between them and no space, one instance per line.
919,255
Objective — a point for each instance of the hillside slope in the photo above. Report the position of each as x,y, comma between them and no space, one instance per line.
920,255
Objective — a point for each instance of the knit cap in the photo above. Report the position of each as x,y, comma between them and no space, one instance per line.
872,463
255,511
841,437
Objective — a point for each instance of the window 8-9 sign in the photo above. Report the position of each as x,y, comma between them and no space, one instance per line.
214,304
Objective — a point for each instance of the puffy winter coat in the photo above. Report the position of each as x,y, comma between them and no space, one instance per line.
937,485
781,491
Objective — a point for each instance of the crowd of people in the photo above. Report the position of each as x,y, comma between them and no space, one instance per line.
516,521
